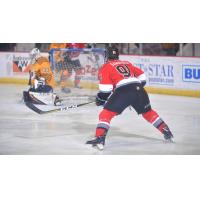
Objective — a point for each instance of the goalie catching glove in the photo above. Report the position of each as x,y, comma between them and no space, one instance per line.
101,98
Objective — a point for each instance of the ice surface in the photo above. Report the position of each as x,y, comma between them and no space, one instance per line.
64,133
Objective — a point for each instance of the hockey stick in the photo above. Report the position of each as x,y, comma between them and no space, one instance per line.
37,110
30,76
77,97
29,83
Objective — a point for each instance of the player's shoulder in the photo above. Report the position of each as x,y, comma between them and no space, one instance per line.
124,62
105,66
42,60
118,62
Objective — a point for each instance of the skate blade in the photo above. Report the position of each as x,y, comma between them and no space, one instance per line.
100,146
90,141
169,141
97,146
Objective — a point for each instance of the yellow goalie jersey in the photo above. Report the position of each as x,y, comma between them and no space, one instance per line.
42,69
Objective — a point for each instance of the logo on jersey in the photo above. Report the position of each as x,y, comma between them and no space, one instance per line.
191,73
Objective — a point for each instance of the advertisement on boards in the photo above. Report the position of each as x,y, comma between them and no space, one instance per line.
168,72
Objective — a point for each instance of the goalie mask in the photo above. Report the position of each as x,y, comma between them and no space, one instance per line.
112,53
34,55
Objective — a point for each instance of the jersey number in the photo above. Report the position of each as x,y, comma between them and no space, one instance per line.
124,70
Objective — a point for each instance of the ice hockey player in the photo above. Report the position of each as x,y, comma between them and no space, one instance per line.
74,62
121,85
41,81
60,66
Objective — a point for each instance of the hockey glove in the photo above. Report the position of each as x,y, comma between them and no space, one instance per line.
101,98
99,101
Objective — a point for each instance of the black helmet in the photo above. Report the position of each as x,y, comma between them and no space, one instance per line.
112,53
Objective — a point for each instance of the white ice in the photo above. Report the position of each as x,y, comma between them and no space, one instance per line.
23,132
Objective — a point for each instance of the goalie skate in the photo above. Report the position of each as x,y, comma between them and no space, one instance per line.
98,142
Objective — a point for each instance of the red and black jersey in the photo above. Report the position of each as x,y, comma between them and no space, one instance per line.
116,73
75,54
76,45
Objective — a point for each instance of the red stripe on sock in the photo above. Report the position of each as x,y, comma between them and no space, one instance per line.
104,116
150,116
100,132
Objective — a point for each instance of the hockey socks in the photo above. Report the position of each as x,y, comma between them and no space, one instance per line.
102,128
104,122
153,118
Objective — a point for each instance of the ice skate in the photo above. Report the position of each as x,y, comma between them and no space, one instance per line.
98,142
167,135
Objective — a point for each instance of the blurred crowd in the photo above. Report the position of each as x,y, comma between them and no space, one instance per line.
168,49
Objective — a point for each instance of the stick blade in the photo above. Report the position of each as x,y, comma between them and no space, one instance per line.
34,108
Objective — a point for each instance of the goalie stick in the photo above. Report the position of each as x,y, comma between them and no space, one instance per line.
39,111
30,77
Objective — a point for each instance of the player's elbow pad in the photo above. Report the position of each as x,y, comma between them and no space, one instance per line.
143,83
142,79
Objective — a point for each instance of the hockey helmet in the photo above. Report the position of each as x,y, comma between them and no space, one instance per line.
112,53
34,54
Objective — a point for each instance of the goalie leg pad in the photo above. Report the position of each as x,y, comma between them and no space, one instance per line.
26,96
45,89
40,98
